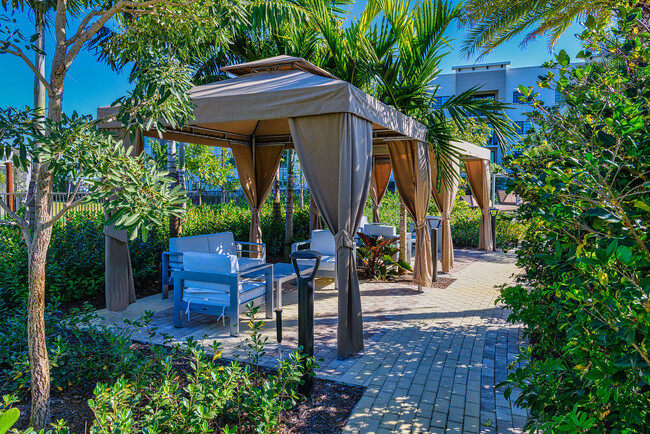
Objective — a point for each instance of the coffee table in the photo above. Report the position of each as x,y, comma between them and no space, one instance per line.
283,272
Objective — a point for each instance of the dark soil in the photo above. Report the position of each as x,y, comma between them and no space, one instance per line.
327,410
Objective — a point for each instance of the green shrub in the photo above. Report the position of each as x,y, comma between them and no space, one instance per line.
584,182
137,390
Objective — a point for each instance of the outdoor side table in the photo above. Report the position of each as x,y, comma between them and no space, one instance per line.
283,272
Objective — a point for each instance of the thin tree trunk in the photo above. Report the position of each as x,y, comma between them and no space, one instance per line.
223,164
39,106
402,233
277,210
175,229
288,234
38,356
302,189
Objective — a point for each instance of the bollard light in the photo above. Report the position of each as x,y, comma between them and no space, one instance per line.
493,214
306,311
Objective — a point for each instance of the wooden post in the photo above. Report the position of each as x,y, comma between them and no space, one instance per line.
10,184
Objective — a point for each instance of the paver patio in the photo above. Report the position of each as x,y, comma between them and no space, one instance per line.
431,360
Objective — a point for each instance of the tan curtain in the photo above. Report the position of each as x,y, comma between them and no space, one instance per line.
256,180
335,151
314,216
118,272
379,183
410,160
444,199
478,176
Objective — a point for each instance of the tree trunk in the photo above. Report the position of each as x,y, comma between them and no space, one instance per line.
39,106
402,233
223,164
175,229
37,254
302,190
288,234
277,210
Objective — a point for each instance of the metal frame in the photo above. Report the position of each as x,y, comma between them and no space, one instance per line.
262,274
167,270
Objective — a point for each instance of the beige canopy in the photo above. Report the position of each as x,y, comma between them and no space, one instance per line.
335,129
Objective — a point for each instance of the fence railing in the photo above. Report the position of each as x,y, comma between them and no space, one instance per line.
16,200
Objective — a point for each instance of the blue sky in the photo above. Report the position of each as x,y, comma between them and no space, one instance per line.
90,84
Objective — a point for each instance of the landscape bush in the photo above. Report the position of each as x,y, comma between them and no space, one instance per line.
584,298
171,389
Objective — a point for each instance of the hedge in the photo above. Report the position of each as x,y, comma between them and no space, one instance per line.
75,267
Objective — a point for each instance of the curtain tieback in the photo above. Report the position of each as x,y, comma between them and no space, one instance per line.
343,239
422,224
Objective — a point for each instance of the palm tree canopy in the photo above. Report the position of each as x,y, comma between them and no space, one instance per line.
494,22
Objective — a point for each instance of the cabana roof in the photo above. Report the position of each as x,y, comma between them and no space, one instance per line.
261,100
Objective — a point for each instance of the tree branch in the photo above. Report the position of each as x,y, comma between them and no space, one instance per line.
19,221
67,207
19,53
79,39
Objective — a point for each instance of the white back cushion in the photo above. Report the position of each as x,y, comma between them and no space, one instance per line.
364,222
198,243
377,230
322,241
210,262
222,243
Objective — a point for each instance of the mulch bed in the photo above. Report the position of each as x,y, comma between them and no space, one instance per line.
327,410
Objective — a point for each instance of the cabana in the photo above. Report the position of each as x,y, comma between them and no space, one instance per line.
286,102
477,166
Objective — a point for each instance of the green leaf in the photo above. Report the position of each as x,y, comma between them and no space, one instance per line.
8,419
624,255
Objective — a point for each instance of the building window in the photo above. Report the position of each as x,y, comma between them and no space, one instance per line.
523,127
493,157
515,97
439,101
558,96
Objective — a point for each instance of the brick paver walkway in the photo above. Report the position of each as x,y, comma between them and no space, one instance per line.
431,360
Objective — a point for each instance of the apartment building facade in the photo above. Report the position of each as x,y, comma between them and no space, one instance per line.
497,81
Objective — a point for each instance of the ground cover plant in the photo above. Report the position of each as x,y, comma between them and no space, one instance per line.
584,183
147,388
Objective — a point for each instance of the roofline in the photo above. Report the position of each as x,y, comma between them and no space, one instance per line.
481,65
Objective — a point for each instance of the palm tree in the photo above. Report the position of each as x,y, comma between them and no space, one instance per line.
492,23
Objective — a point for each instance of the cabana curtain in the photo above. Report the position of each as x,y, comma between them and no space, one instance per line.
444,199
378,184
314,216
118,274
410,160
336,153
478,175
256,180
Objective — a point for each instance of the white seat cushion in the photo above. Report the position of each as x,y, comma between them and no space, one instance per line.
246,263
327,263
222,243
322,241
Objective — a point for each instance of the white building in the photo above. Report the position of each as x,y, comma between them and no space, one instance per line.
497,81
